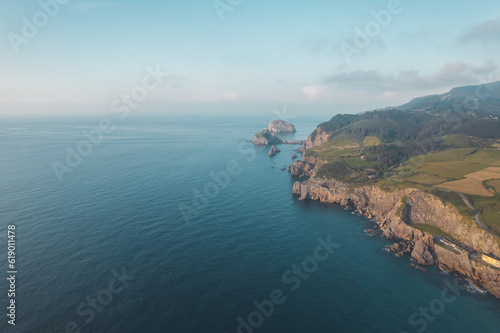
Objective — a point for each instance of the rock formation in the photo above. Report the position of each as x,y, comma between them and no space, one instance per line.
281,126
274,150
317,138
396,216
301,169
266,138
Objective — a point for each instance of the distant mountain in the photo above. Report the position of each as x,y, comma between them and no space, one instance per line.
483,100
470,111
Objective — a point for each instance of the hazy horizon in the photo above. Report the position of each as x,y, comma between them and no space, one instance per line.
79,57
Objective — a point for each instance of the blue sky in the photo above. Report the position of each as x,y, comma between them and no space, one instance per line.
278,53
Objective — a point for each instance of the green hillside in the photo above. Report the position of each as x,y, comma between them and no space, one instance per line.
435,143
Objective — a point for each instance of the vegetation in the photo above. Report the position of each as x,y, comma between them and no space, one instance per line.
431,143
435,231
399,212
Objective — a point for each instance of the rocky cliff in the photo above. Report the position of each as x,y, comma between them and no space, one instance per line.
317,138
266,138
396,211
281,126
304,168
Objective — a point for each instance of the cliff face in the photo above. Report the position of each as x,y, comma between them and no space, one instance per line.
304,168
301,169
266,138
317,138
281,126
395,218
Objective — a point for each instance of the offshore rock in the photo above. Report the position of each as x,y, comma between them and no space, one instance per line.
274,150
266,138
281,126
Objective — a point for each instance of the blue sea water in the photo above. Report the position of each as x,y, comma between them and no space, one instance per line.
118,212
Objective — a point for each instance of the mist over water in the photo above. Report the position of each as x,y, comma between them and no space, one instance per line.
118,211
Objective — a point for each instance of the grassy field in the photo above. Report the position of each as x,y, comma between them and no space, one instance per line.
489,210
495,184
426,179
448,165
341,145
473,183
455,140
370,141
435,231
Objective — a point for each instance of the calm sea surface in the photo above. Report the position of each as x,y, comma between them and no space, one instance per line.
109,249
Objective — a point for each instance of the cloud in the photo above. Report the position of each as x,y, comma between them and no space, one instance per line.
313,92
486,31
451,74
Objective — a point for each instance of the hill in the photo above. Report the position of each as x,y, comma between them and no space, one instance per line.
443,144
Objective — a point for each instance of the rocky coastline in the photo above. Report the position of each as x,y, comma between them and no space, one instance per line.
395,212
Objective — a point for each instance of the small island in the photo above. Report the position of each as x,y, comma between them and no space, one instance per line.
266,137
281,126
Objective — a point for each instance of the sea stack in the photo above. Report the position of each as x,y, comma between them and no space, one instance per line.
266,138
274,150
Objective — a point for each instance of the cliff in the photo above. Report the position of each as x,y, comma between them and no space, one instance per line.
317,138
281,126
396,211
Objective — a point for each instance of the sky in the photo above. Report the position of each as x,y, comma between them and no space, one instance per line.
334,56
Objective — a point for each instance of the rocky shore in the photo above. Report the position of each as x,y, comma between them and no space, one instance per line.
396,211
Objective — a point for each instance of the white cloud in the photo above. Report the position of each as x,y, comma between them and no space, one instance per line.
313,92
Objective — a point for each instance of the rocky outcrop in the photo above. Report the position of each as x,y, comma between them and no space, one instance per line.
281,126
396,211
423,249
294,156
317,138
309,159
266,138
301,169
274,150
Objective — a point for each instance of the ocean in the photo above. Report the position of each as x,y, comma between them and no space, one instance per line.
179,224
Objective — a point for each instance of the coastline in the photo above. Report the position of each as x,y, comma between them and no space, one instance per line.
394,217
